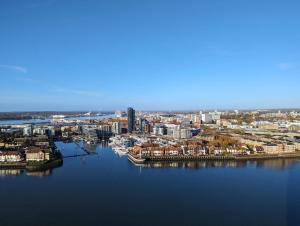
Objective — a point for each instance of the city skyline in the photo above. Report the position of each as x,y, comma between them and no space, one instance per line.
151,55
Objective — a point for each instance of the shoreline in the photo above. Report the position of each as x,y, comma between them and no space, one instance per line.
138,160
33,166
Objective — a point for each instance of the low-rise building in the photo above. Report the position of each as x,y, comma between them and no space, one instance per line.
294,128
116,128
289,147
279,148
297,145
37,154
268,126
10,156
172,151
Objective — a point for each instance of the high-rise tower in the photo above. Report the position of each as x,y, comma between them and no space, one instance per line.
131,119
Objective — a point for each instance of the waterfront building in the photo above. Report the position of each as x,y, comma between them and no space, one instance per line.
10,156
37,154
27,131
51,131
116,128
104,131
172,151
142,123
40,140
272,148
289,147
131,120
73,129
177,132
186,134
39,130
123,125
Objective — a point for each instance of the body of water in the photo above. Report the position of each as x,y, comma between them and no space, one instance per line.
49,120
104,189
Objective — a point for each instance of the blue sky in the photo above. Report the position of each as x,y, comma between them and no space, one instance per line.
149,54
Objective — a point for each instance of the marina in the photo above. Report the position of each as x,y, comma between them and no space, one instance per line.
119,145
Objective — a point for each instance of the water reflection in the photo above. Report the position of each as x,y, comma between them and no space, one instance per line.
10,172
19,172
279,164
90,153
44,173
89,148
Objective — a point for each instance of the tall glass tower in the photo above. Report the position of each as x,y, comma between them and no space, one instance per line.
131,119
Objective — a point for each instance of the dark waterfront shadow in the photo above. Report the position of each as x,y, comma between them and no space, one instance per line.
44,171
288,180
277,164
293,198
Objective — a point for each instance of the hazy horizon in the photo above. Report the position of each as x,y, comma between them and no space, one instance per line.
158,110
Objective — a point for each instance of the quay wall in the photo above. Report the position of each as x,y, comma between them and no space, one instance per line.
32,167
44,166
136,159
225,158
12,165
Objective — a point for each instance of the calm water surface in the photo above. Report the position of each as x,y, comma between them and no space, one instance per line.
104,189
49,120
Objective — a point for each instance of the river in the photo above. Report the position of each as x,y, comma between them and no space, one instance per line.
49,120
105,189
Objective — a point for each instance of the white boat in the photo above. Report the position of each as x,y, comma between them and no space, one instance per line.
120,151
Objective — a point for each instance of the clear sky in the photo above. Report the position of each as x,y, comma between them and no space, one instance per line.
149,54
